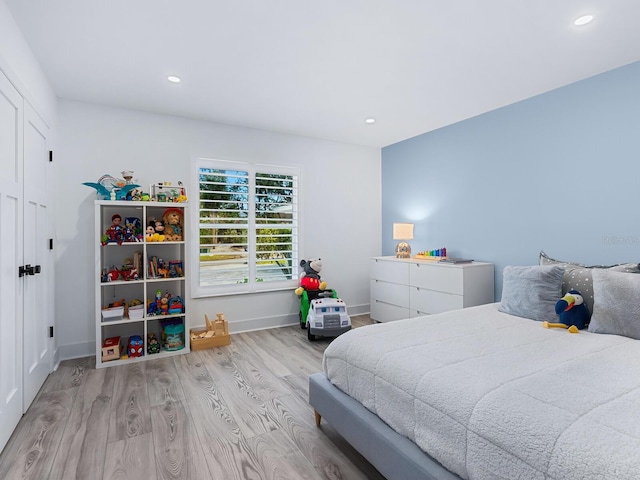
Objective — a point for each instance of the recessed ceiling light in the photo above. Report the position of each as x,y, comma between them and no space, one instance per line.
583,20
173,79
370,121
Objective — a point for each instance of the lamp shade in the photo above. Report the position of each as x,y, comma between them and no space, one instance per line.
403,231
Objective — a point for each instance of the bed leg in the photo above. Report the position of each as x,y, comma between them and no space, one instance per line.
318,417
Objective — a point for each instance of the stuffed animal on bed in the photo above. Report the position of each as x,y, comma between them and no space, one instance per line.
310,277
574,314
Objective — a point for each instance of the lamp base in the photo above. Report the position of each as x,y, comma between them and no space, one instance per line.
403,250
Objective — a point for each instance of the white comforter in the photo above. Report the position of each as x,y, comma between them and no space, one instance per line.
490,395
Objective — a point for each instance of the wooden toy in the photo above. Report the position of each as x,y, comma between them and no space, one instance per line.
215,335
111,349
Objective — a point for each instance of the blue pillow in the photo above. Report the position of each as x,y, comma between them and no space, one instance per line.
532,292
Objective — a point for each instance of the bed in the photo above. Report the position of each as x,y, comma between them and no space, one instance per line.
486,392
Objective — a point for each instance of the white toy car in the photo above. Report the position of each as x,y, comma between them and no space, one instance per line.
327,317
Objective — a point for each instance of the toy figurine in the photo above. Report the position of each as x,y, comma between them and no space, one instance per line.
136,347
159,228
129,273
153,234
153,345
115,233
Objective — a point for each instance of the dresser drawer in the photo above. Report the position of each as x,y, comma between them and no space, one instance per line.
385,312
442,278
390,293
394,272
429,301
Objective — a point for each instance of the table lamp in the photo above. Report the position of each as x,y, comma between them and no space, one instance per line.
403,232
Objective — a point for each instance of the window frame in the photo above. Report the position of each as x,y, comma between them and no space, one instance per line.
200,291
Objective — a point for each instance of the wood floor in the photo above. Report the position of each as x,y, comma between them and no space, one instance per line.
236,412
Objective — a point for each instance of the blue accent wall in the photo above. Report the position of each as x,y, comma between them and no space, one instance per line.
558,172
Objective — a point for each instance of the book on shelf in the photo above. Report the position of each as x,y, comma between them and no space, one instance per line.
455,260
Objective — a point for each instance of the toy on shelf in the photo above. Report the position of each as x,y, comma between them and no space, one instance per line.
155,231
159,268
135,347
119,234
110,275
129,273
175,269
173,223
131,270
153,345
165,304
216,334
132,229
111,349
172,334
113,311
111,188
176,305
166,192
135,311
115,233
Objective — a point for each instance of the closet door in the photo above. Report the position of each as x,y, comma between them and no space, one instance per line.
38,299
11,293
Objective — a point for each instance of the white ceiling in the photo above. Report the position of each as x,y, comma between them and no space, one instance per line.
319,68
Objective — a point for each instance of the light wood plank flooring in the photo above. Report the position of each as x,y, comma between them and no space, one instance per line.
236,412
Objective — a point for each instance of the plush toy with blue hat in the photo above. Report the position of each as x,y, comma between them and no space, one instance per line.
574,314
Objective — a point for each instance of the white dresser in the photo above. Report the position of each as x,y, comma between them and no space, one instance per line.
403,288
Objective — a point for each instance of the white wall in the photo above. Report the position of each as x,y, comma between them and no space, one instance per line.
341,204
19,64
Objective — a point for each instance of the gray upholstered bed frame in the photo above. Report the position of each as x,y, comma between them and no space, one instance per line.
393,455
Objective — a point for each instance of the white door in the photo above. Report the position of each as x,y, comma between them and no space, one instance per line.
37,255
11,294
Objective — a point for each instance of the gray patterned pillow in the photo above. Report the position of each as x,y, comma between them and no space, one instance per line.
579,277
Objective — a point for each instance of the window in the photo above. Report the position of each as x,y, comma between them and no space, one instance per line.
248,227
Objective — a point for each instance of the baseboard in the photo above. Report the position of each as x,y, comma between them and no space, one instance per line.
264,323
88,349
359,309
75,350
55,361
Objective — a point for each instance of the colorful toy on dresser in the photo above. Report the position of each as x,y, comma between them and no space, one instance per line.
437,254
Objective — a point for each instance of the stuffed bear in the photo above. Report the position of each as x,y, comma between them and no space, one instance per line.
574,314
310,277
172,218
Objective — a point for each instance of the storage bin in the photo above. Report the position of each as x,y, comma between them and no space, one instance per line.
172,335
136,312
112,314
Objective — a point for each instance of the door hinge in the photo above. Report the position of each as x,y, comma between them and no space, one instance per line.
51,331
51,244
51,155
